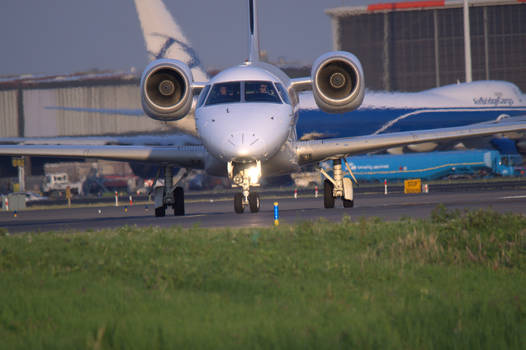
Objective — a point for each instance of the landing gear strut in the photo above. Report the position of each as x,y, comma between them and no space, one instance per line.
338,186
168,195
245,175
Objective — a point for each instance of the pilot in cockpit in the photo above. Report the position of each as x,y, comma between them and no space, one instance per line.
263,89
222,91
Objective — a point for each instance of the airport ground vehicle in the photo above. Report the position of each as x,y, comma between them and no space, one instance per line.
435,165
58,183
18,200
96,184
425,166
33,197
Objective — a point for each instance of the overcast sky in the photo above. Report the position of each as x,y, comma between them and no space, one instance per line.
65,36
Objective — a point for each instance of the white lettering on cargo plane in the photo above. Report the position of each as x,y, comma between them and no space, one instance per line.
498,100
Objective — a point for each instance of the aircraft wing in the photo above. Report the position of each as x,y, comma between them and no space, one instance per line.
131,140
183,156
319,150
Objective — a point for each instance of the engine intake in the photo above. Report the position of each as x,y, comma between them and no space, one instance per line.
166,90
337,82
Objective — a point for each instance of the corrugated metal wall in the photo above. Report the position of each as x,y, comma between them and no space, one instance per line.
39,121
413,50
8,113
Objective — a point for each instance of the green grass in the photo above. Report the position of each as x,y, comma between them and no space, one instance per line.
455,281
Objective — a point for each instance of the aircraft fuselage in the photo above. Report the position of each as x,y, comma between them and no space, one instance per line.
245,114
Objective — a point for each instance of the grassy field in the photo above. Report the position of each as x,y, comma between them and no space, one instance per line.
455,281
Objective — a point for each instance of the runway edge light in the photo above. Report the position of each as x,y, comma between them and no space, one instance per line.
276,214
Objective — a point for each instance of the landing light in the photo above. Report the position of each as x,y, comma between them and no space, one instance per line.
254,173
243,152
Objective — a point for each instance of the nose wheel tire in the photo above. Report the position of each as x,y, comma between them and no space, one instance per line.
328,199
238,203
254,202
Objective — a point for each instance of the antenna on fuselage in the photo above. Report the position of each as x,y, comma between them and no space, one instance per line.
253,37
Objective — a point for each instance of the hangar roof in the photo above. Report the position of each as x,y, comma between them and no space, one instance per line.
413,5
30,81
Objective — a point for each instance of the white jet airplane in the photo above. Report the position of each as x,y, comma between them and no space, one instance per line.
245,119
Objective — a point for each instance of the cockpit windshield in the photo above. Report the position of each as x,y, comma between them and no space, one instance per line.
224,93
253,91
261,91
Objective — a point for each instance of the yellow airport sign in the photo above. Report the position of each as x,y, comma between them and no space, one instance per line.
17,162
413,186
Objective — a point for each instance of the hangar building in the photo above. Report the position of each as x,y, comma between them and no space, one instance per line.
27,109
411,46
26,105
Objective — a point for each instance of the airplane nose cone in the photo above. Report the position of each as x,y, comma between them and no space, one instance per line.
244,132
245,146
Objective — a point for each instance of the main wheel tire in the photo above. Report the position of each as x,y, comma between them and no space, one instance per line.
238,203
160,212
254,202
328,199
347,203
179,201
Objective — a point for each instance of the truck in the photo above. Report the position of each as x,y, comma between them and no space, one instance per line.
56,184
425,166
435,165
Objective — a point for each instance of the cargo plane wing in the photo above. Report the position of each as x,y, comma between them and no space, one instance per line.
245,126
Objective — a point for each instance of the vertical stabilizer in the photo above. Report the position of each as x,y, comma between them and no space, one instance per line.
253,37
164,38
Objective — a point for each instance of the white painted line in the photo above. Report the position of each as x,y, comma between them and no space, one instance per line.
189,216
513,197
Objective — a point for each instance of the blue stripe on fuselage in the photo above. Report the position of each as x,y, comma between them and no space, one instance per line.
369,121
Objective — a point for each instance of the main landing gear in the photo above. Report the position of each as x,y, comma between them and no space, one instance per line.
168,196
338,186
245,175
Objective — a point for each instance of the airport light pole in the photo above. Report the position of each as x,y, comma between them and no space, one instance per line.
21,178
467,43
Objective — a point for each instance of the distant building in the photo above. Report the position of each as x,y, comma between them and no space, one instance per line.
28,109
28,105
417,45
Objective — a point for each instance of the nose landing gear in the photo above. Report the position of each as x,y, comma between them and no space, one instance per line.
252,201
245,175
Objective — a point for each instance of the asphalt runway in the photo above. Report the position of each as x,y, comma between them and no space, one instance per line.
220,213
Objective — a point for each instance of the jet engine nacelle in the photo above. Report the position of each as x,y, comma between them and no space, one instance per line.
337,82
166,90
